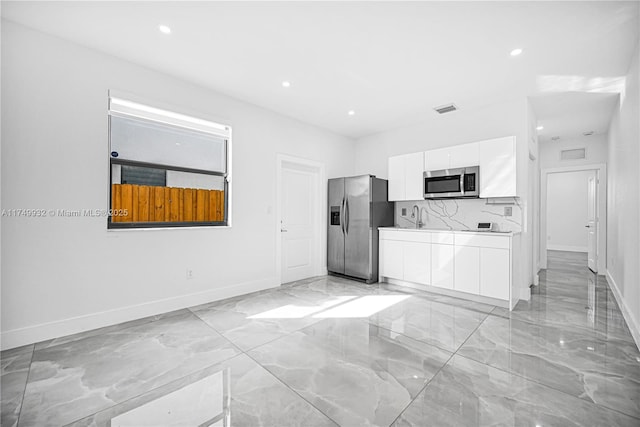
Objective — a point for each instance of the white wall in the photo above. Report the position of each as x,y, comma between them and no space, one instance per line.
595,146
623,261
503,119
567,202
63,275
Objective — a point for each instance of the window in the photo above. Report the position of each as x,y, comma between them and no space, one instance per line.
166,169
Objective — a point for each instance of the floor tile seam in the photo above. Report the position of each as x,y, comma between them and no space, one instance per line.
448,350
431,298
107,332
534,322
24,392
575,329
286,334
366,321
153,389
216,331
291,388
548,386
438,371
422,389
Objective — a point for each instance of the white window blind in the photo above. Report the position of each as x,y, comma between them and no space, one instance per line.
150,135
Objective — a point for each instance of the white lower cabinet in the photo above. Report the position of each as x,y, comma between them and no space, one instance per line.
406,255
391,259
495,273
417,262
442,266
471,263
467,269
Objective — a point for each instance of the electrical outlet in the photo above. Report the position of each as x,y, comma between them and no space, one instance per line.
189,274
508,211
404,211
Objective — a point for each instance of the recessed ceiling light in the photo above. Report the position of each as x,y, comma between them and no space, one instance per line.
286,84
164,29
516,52
351,112
540,127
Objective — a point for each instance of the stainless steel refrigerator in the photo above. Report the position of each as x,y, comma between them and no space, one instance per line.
357,207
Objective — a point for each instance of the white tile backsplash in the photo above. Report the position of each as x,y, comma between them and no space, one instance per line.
461,214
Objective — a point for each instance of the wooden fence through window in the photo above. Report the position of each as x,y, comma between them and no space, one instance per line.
145,203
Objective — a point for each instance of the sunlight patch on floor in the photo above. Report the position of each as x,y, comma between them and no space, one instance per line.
338,307
293,311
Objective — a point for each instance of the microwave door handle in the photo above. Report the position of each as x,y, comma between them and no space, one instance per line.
462,183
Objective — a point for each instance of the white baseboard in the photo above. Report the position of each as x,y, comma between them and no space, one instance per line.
59,328
632,322
567,248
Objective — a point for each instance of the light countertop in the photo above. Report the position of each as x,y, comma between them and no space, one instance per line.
441,230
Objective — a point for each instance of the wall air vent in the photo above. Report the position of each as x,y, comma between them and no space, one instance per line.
555,138
446,108
573,154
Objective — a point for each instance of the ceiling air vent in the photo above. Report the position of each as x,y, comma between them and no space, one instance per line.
446,108
573,154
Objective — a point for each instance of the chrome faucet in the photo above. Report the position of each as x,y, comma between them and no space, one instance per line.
418,217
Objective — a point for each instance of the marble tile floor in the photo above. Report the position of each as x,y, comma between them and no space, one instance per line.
329,351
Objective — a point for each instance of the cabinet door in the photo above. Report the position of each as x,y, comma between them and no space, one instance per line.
467,269
417,262
494,273
442,266
414,173
498,167
396,178
464,155
391,263
436,159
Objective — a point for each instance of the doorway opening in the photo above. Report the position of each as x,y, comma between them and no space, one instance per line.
573,213
300,216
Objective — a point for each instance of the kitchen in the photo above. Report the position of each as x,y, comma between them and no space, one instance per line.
310,92
446,253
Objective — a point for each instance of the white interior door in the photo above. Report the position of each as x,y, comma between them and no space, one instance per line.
299,213
592,222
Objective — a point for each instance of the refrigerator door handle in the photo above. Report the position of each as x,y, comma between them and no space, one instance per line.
342,215
346,214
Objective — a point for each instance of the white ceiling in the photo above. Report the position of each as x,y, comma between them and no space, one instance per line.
391,62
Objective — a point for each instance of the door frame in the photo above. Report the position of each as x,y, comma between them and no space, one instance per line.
290,162
601,175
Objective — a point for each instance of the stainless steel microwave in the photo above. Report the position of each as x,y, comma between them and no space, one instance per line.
452,183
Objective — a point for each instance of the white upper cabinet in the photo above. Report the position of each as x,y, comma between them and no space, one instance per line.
498,167
414,176
458,156
436,159
396,178
496,158
405,177
464,155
